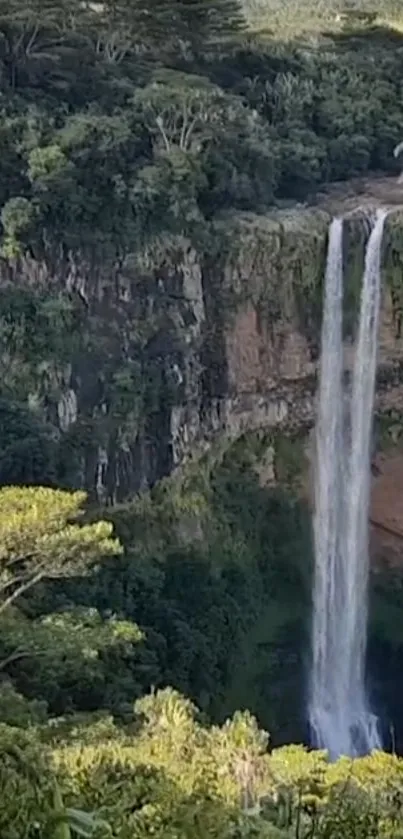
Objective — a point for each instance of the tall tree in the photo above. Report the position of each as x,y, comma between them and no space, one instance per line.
39,42
202,22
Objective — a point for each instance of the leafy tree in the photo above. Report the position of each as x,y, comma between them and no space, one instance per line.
39,538
34,36
76,660
17,217
181,110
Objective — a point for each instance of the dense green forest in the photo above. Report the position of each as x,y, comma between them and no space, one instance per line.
140,644
121,124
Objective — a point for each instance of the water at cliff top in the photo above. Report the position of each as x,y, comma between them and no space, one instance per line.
339,714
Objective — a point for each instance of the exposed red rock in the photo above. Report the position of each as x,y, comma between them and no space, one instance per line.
386,514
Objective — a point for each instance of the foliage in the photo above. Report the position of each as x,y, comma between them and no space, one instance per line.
16,710
175,776
203,577
73,660
128,131
39,539
25,783
173,116
34,800
28,448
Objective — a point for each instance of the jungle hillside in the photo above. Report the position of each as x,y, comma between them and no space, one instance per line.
154,613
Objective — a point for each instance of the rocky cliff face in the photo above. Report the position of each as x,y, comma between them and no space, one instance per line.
155,358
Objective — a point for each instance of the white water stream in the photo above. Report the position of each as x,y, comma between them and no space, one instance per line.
339,714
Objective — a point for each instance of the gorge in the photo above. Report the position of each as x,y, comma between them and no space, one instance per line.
192,381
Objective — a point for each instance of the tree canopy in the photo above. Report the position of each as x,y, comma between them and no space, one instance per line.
39,538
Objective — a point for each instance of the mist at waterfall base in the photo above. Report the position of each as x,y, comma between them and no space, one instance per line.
339,714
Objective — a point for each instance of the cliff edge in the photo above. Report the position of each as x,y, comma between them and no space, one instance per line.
140,365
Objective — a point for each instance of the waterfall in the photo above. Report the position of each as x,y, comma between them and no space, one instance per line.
327,633
339,714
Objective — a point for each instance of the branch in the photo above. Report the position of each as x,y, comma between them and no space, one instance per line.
18,43
27,556
12,582
160,125
15,656
189,132
32,40
20,590
182,141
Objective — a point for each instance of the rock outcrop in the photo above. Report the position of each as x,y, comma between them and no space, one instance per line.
166,353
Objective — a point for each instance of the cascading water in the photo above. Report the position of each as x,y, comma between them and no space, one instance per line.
339,714
327,628
363,725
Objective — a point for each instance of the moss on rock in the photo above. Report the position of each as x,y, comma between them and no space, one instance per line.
393,264
276,262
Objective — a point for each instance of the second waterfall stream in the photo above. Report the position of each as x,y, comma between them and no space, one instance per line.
339,714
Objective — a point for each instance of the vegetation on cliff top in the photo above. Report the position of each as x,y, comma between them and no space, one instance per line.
120,125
